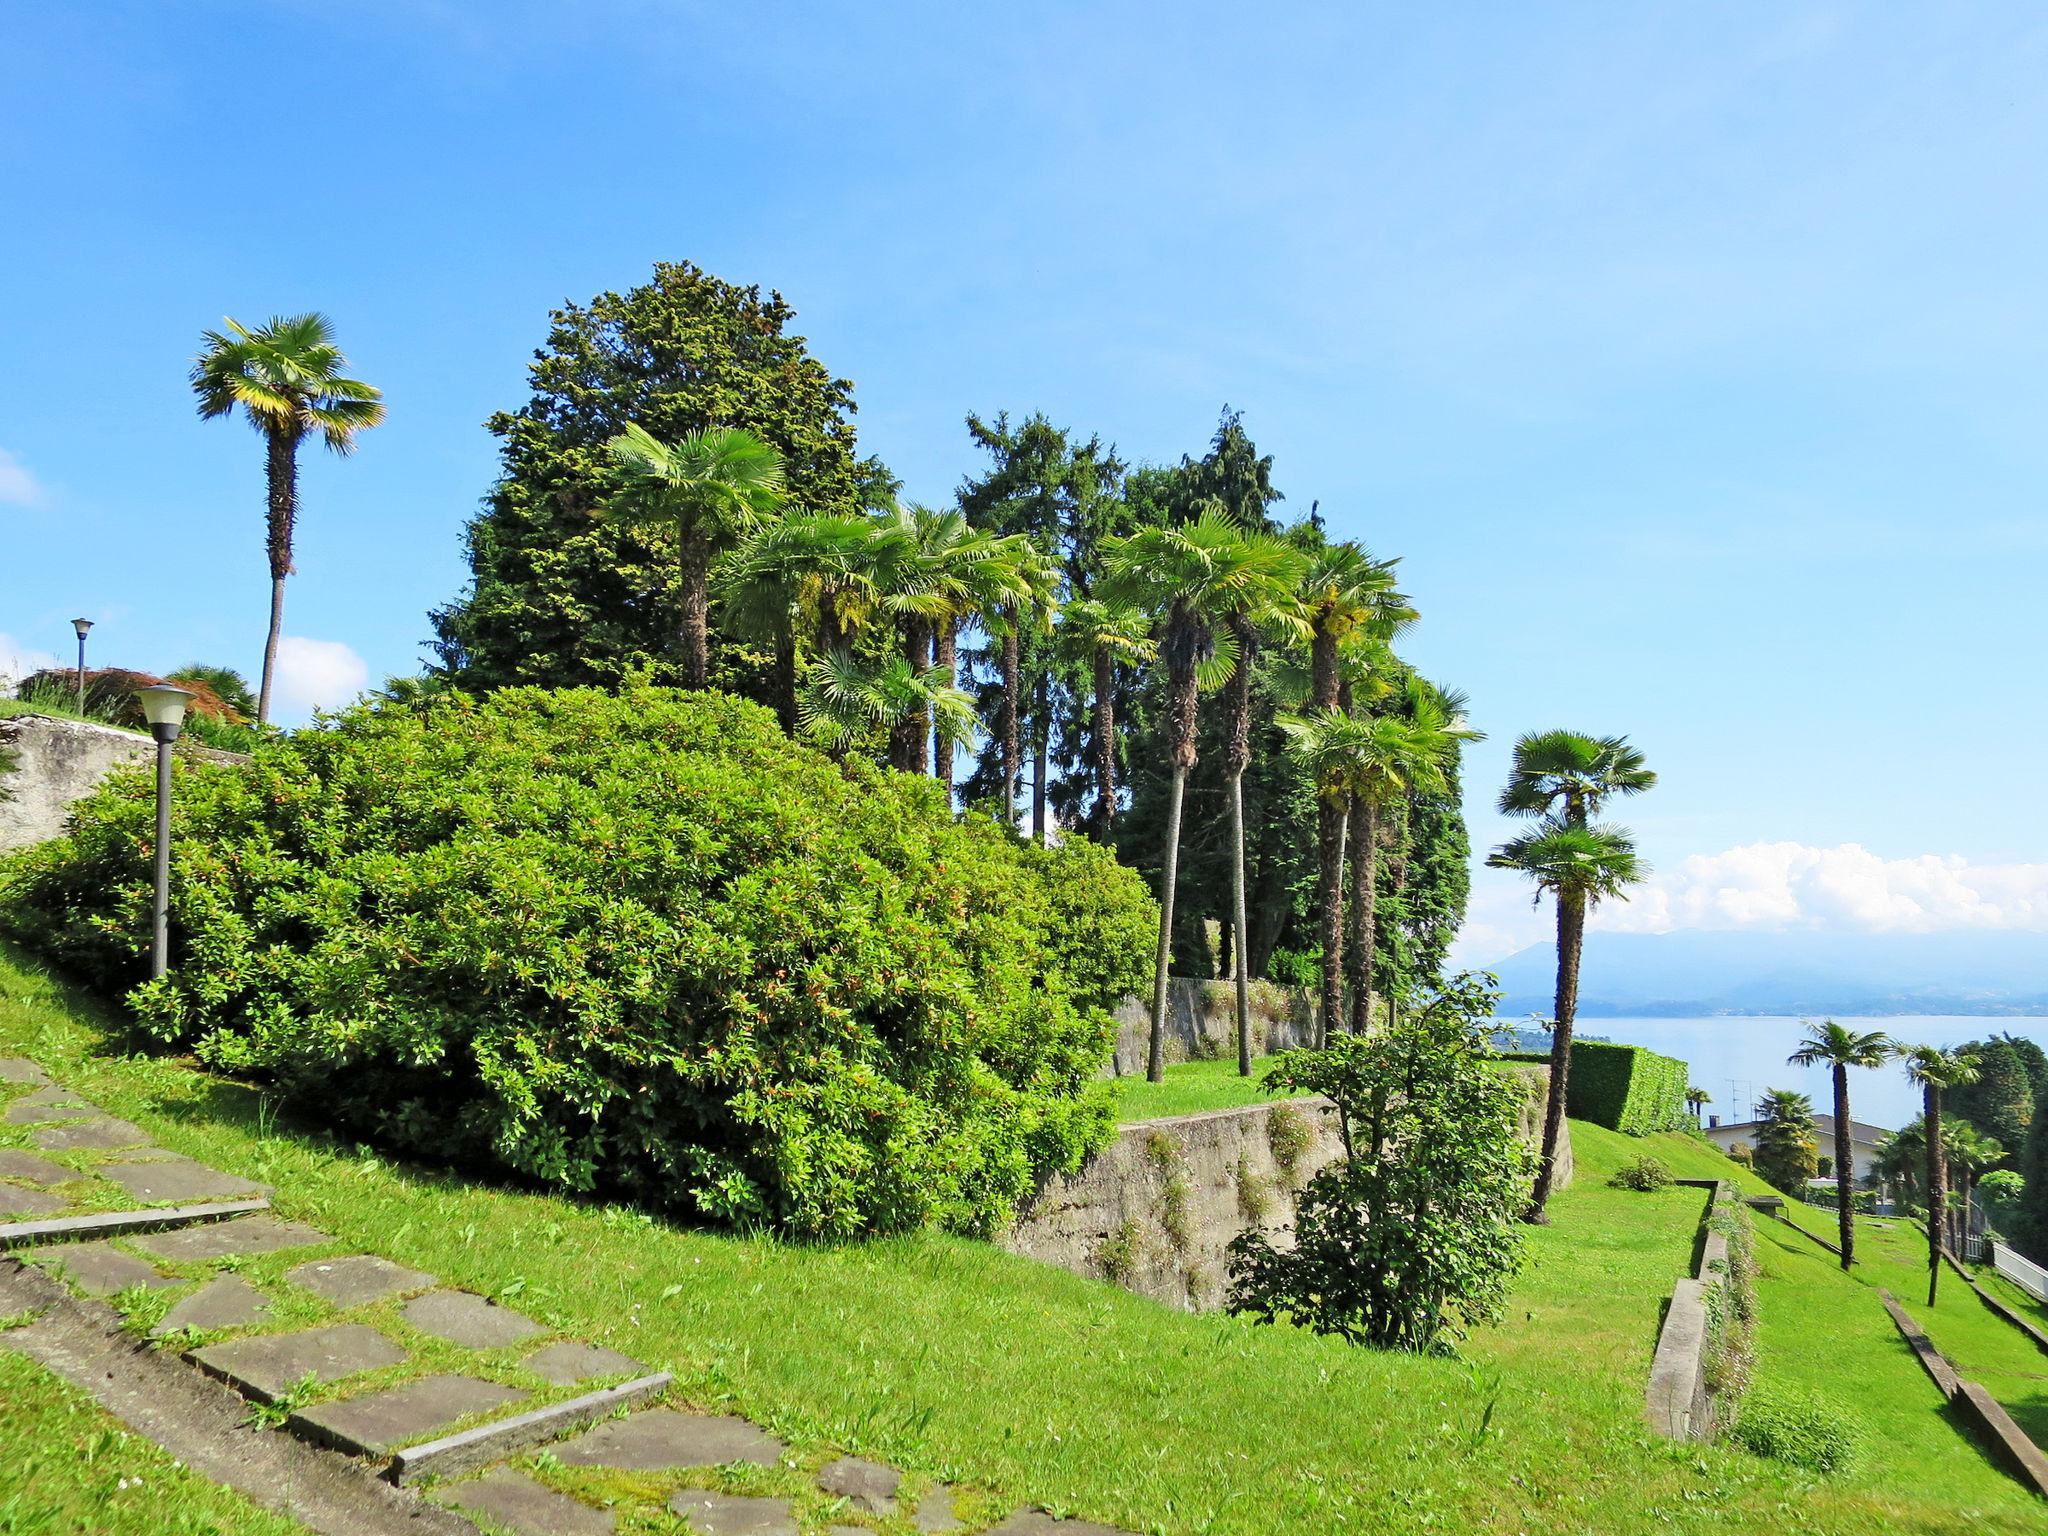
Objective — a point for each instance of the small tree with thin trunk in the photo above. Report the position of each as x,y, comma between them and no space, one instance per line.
1935,1070
288,377
1103,637
1840,1049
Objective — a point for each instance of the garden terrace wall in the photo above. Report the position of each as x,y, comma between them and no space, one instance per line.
1623,1087
1201,1022
57,762
1155,1210
1677,1402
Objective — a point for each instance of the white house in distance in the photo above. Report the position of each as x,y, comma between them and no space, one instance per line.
1863,1140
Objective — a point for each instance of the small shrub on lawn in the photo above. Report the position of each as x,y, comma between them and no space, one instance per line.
640,942
1800,1429
1645,1174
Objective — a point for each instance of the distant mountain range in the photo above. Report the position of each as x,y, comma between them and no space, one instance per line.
1694,973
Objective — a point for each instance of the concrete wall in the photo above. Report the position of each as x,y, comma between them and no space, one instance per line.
1155,1210
1676,1400
58,762
1201,1022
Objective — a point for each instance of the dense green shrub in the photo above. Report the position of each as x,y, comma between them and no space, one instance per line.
1644,1174
637,942
1623,1087
1800,1429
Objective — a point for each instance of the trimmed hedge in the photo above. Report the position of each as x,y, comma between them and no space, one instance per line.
638,942
1623,1087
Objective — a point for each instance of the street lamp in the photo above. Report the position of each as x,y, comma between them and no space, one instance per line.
81,625
164,705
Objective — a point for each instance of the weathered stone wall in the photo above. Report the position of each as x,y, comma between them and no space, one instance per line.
58,762
1201,1022
1155,1210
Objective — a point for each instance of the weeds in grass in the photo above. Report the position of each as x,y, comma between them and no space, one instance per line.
271,1415
1801,1429
1254,1193
17,1319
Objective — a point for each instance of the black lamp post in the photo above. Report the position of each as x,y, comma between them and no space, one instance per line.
164,705
81,625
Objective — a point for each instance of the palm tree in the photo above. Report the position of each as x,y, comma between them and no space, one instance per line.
845,699
287,376
1840,1049
1935,1070
1572,772
1581,866
1034,606
1192,578
1697,1099
715,486
1103,636
1973,1154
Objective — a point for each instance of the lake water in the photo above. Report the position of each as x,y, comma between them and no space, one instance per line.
1737,1060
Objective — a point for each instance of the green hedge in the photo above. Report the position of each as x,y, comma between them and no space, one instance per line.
641,943
1623,1087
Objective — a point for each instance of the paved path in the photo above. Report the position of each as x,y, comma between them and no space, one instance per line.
398,1377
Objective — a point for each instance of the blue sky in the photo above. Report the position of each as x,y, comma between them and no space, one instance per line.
1689,355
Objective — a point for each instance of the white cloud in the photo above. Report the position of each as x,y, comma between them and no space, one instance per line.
315,674
1846,888
18,660
18,488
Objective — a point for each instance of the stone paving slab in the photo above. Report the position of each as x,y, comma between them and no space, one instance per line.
378,1423
36,1170
112,1223
728,1514
19,1069
469,1320
100,1269
361,1277
524,1507
662,1438
229,1302
568,1363
16,1201
38,1110
1036,1522
181,1180
867,1485
101,1134
266,1368
935,1511
224,1239
468,1449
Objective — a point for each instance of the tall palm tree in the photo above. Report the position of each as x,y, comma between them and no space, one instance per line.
1572,775
1033,607
1936,1070
844,699
1972,1154
714,486
1191,578
288,376
1103,636
1840,1049
1697,1099
1580,866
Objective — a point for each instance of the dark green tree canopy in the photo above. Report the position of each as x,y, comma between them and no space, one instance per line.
560,596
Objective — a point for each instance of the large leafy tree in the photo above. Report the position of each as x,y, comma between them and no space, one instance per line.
1936,1071
1192,578
1580,866
561,595
1784,1148
1831,1045
290,379
2001,1101
711,488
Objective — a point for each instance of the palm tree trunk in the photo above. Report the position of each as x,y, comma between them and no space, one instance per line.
1006,713
696,622
785,679
1041,730
911,737
1237,756
1105,746
1571,934
1330,823
1241,972
1937,1187
1844,1165
281,470
1155,1057
1358,950
949,673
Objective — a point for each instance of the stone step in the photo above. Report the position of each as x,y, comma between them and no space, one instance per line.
469,1449
115,1223
378,1423
229,1302
270,1365
520,1505
358,1278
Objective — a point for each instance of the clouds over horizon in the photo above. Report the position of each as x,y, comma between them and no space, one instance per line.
1774,887
18,488
315,674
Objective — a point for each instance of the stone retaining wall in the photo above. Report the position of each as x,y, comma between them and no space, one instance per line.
59,762
1676,1402
1155,1210
1201,1022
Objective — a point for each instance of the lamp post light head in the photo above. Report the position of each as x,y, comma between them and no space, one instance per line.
164,706
81,625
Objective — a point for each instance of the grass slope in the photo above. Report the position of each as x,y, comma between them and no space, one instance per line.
954,1359
1191,1088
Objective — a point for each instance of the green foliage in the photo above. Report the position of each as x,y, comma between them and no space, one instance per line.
638,942
1730,1348
1412,1239
1121,1252
1290,1134
1644,1174
1786,1151
1802,1429
1623,1087
2000,1103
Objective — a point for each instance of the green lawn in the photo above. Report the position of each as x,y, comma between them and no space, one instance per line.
956,1360
1191,1088
69,1466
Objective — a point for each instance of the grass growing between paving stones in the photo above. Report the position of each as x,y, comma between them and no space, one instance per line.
954,1360
66,1465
